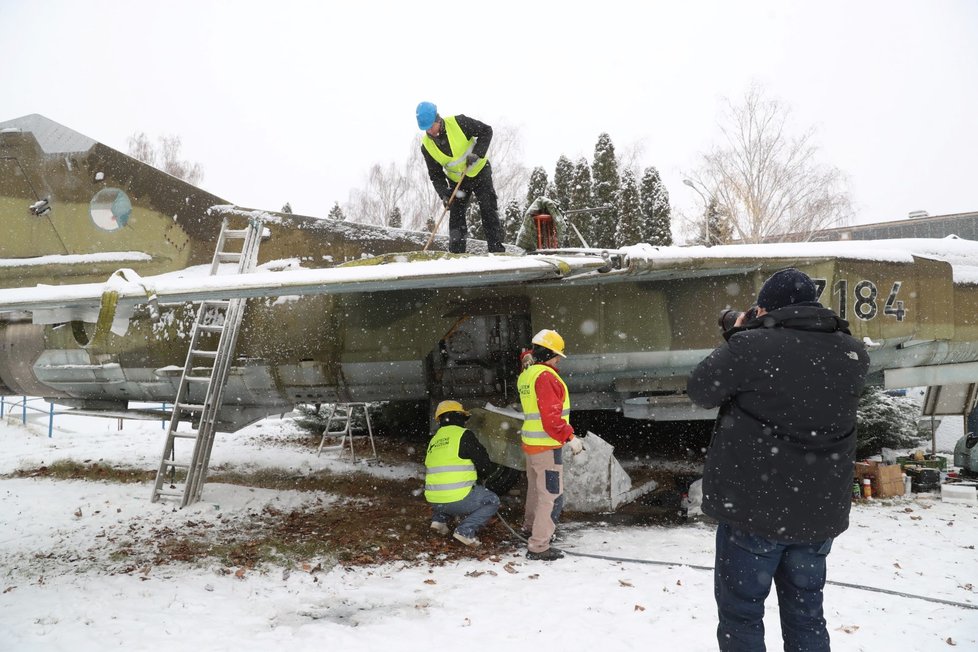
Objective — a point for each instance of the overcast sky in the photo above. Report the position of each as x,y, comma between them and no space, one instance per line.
294,101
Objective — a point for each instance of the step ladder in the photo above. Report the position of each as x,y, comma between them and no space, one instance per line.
341,414
205,374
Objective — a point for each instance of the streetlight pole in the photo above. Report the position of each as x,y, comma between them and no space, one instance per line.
706,208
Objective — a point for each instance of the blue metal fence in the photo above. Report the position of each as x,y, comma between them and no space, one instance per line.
6,405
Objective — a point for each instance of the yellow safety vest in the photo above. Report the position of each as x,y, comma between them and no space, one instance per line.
448,477
533,433
460,145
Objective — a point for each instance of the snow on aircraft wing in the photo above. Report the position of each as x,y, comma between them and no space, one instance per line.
59,303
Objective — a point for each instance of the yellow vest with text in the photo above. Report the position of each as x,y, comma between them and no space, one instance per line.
448,477
533,433
461,146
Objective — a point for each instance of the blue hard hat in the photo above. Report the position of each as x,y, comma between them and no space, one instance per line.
427,112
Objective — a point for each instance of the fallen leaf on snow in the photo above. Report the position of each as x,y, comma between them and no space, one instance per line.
950,641
474,574
624,583
509,568
639,607
430,582
848,629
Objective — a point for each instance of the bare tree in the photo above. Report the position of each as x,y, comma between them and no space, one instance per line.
386,189
766,182
165,156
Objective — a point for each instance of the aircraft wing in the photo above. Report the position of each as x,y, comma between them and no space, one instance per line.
59,303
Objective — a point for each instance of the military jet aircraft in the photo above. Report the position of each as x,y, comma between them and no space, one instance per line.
103,259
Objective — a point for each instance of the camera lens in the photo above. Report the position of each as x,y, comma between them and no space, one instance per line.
728,318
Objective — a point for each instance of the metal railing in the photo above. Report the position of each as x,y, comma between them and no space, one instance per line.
8,407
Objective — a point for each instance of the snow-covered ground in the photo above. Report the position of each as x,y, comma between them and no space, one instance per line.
60,591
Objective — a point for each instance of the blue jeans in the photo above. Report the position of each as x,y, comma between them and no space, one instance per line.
745,566
476,508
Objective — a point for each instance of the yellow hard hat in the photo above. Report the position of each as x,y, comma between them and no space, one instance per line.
449,406
550,339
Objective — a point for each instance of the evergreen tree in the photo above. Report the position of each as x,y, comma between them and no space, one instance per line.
656,213
563,181
629,229
580,197
473,222
884,421
605,184
287,208
716,226
394,219
512,219
537,186
336,213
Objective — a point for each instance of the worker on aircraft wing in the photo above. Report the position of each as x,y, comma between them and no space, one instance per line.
454,149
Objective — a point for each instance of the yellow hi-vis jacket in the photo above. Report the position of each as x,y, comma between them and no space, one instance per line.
533,433
448,477
461,146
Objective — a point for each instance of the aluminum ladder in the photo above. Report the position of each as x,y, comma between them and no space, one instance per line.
342,414
201,388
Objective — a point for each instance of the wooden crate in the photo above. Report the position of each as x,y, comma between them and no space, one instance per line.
887,479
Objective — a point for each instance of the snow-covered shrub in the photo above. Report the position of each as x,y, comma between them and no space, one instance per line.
885,421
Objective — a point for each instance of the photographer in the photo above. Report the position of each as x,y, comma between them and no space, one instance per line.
779,467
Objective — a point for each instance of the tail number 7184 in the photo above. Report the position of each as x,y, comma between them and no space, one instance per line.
865,295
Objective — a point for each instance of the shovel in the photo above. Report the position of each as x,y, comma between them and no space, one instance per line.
447,206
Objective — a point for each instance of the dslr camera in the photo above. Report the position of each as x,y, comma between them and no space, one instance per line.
730,316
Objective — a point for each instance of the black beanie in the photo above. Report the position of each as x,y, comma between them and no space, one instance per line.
784,288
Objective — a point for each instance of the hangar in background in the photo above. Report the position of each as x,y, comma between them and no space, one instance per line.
918,225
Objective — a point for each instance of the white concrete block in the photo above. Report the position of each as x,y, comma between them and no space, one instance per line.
959,493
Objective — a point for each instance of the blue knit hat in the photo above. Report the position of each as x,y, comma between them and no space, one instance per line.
426,113
786,287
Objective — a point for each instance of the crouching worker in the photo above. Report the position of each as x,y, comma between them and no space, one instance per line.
455,465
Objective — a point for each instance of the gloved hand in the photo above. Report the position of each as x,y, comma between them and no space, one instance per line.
576,445
471,159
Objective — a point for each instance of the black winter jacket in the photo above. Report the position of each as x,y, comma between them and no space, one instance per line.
780,464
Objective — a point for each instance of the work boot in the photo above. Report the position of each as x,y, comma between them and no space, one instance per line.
471,542
549,554
439,527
